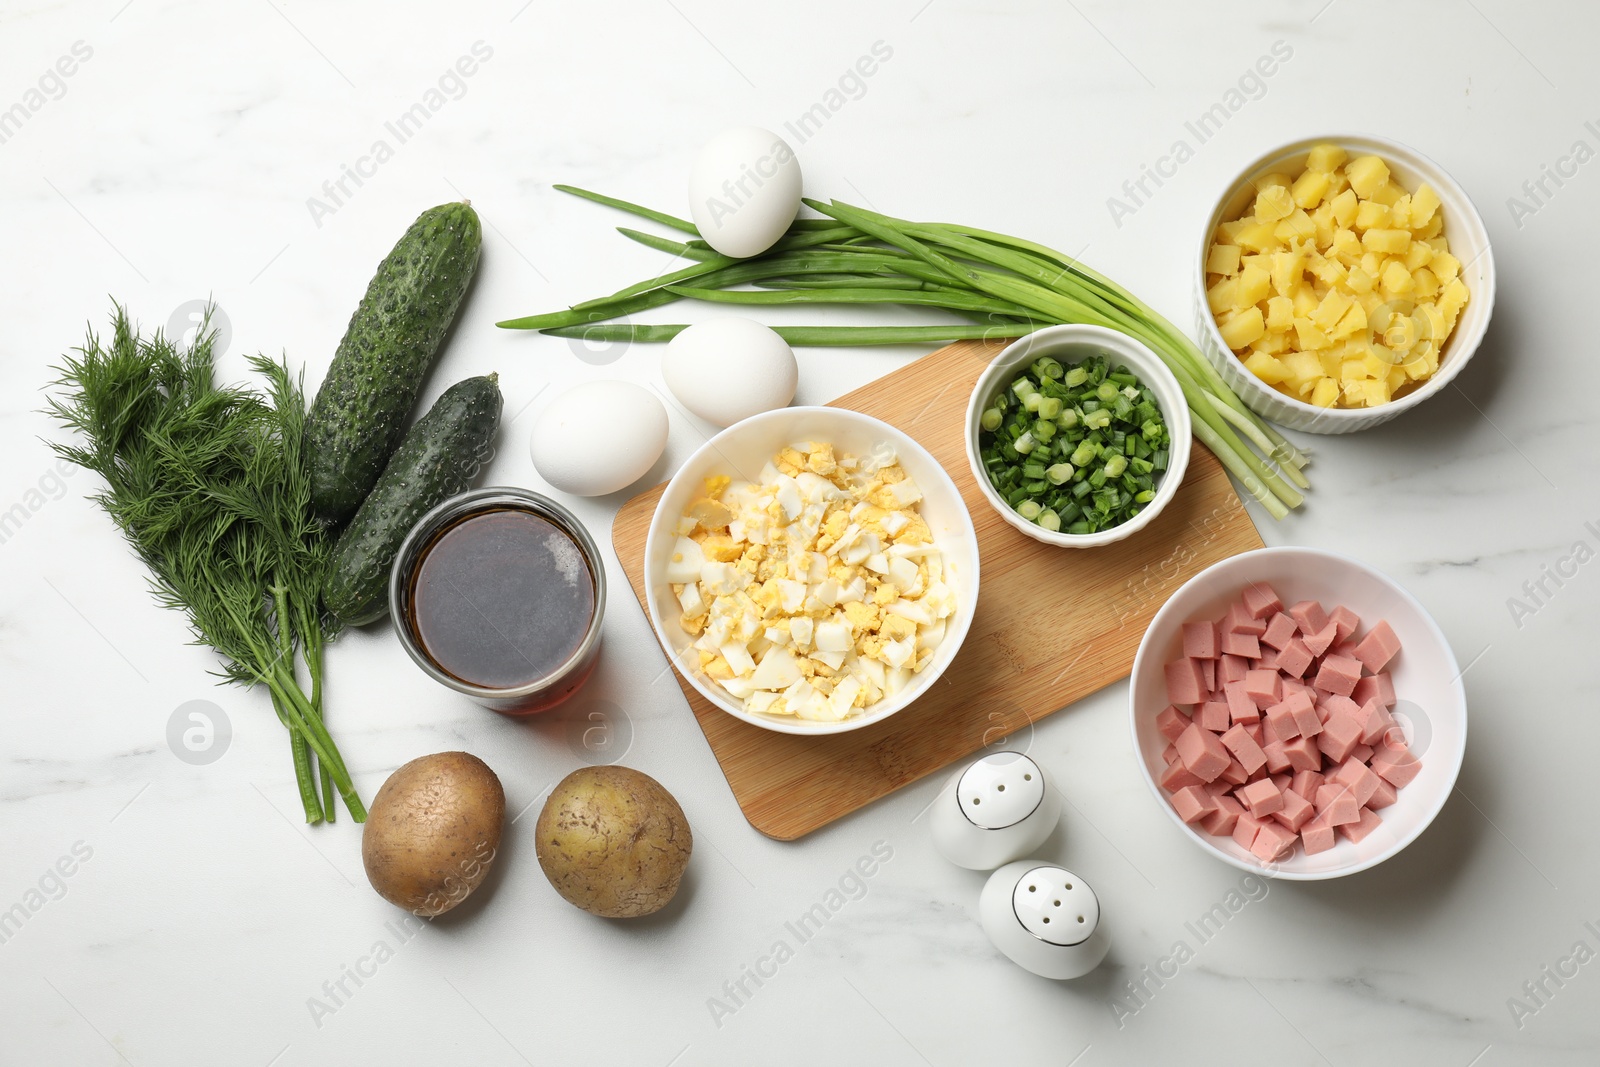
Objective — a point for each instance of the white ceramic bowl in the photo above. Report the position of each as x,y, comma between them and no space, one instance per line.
1431,703
1068,345
740,452
1469,242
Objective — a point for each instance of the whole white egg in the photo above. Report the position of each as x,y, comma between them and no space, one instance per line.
599,437
744,190
728,369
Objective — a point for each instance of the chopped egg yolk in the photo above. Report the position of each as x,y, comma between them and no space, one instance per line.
817,591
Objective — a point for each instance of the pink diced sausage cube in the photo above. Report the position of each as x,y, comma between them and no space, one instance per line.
1280,629
1309,616
1281,717
1295,658
1306,720
1383,797
1277,757
1223,818
1238,741
1323,639
1267,661
1375,721
1334,704
1296,811
1356,777
1379,687
1240,621
1261,797
1337,804
1192,803
1200,640
1233,774
1317,836
1377,648
1240,707
1303,754
1260,600
1245,830
1272,841
1233,668
1306,783
1239,644
1213,716
1361,753
1262,686
1338,674
1283,781
1170,721
1346,621
1253,728
1208,674
1369,821
1201,752
1396,764
1339,737
1177,776
1183,682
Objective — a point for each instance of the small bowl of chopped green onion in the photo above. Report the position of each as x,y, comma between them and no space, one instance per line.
1078,435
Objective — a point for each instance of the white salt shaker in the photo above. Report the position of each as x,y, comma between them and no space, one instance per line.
996,810
1044,918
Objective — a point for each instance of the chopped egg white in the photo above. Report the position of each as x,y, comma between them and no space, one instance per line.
817,591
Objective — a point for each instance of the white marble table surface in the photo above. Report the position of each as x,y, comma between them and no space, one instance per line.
201,919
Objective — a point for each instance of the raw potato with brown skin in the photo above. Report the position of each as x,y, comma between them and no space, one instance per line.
433,832
613,842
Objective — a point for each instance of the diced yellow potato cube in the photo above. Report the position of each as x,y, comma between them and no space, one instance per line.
1273,342
1305,300
1220,297
1396,279
1367,175
1446,266
1371,215
1418,366
1396,379
1332,359
1346,247
1375,392
1452,299
1309,189
1266,368
1280,313
1425,284
1275,180
1228,231
1389,242
1302,366
1432,323
1286,268
1244,327
1434,227
1255,285
1352,370
1358,281
1345,206
1388,194
1331,309
1418,256
1258,237
1330,272
1372,263
1326,157
1297,226
1325,394
1354,319
1400,212
1223,259
1310,337
1273,203
1424,202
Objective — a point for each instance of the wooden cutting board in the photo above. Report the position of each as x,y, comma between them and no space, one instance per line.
1052,624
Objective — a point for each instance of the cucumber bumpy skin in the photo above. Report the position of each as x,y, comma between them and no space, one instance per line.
360,411
438,458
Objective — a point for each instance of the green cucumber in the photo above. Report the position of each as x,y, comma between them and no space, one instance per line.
438,459
360,412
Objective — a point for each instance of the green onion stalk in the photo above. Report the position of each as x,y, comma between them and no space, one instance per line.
1006,287
208,485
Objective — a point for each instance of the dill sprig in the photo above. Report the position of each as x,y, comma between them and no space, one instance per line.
209,486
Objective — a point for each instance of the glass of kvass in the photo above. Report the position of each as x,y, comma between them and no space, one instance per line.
498,593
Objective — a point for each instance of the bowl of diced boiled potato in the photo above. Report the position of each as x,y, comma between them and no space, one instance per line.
1342,280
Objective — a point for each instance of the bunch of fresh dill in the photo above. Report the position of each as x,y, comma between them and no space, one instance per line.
208,484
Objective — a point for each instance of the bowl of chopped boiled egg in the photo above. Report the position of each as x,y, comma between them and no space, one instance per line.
1341,281
811,570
